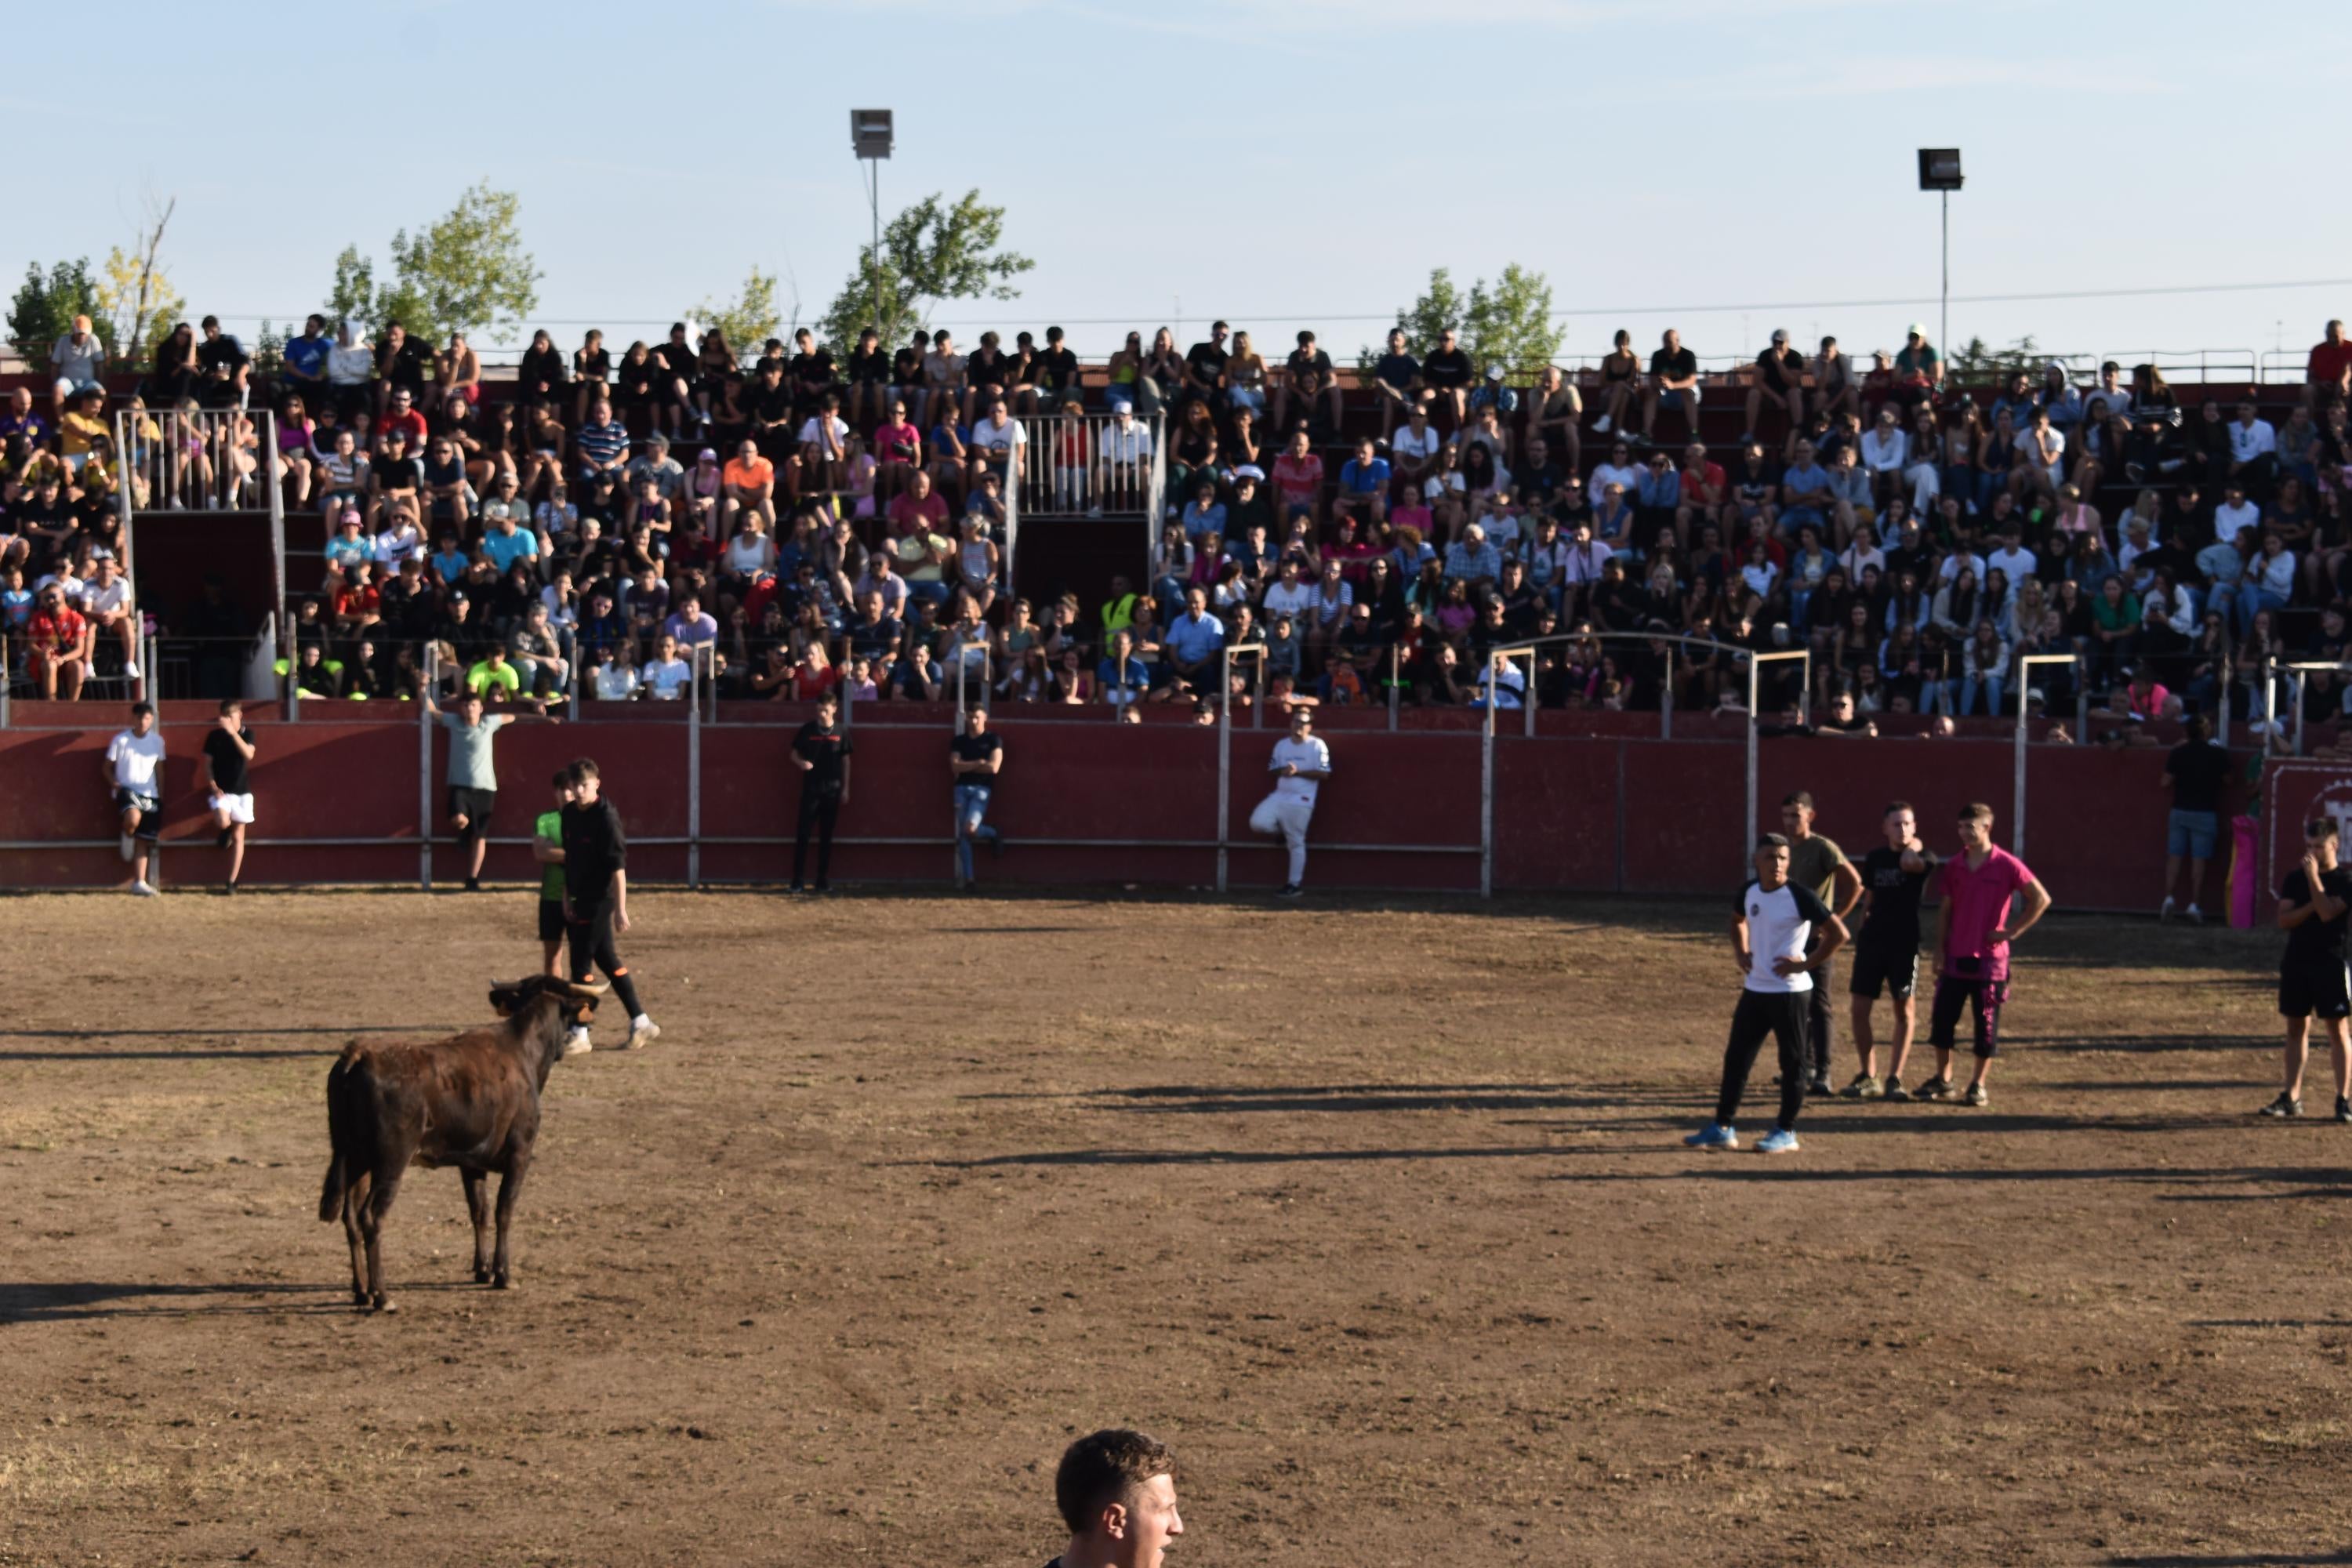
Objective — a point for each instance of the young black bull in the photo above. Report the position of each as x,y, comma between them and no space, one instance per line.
471,1101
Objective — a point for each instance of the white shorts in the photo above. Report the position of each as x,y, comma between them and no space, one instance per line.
238,806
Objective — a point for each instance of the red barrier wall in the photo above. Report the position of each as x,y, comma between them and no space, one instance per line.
1131,803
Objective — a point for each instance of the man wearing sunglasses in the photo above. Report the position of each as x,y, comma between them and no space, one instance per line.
2313,907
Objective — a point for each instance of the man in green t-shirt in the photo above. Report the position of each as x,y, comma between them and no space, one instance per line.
547,849
1817,865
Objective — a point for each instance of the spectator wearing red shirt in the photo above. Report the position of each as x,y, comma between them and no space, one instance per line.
58,641
1702,491
358,605
1974,928
1298,478
917,509
2330,371
402,416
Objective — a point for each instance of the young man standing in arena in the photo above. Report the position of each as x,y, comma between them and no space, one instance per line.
1116,1489
473,775
821,752
134,767
975,759
1815,862
1886,949
1300,764
228,786
1781,936
547,849
596,898
1974,928
2313,909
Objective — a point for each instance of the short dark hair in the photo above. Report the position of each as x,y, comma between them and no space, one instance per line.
232,705
1104,1467
143,706
1803,797
1771,841
1894,805
2323,826
582,770
1975,811
562,778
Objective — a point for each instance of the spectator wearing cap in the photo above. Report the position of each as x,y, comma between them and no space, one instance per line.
1780,375
1673,379
1493,396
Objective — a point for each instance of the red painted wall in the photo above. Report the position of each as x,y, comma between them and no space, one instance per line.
1590,811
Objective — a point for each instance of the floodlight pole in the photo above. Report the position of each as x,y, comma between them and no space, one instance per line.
871,138
1944,309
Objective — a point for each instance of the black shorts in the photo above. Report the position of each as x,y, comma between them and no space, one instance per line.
550,920
1955,994
1884,965
150,810
2314,990
474,805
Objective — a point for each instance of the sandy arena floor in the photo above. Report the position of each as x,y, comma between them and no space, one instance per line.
1379,1213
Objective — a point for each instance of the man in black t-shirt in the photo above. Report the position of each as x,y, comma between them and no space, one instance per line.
975,759
1447,372
597,899
1780,375
2314,907
1057,374
1886,952
1307,357
2195,773
1397,378
821,752
675,386
1673,378
228,786
1204,362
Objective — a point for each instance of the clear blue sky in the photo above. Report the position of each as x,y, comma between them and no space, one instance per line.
1278,165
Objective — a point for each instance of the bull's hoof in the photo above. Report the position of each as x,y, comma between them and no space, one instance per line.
502,1282
386,1304
361,1299
481,1273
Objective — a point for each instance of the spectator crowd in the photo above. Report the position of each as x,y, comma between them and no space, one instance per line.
791,520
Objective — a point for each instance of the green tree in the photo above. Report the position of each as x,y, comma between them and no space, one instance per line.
1510,324
1979,361
751,319
466,272
44,306
932,252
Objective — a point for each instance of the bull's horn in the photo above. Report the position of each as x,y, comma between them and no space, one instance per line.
600,990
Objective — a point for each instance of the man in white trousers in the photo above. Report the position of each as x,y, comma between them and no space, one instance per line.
1300,764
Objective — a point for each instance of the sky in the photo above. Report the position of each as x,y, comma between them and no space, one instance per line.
2134,179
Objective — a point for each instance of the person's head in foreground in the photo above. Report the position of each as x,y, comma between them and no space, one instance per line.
1116,1492
1976,828
1772,861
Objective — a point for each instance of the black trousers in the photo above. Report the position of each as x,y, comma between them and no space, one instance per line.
1820,1017
822,808
1781,1014
589,933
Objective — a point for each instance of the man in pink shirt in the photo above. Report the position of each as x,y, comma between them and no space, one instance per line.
1974,926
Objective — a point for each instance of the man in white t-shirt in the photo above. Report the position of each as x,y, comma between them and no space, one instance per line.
666,676
824,445
996,443
78,360
1781,933
1413,448
133,769
2016,562
1289,595
1300,764
2235,514
106,603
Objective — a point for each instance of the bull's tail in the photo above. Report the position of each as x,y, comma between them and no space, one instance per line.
342,1083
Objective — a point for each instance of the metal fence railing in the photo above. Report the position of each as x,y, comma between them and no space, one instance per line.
1092,465
193,459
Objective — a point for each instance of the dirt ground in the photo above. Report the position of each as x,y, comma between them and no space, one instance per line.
1378,1212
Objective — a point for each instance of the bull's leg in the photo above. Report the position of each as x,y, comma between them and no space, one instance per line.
387,1187
477,1205
355,1196
509,1185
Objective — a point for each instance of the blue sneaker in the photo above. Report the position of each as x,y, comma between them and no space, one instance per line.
1779,1141
1714,1135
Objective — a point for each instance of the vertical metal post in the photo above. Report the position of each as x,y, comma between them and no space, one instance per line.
1486,792
1396,666
1527,698
874,205
424,774
2270,702
124,505
2017,796
1944,320
1747,823
2301,709
694,776
1620,815
276,510
1224,759
1666,703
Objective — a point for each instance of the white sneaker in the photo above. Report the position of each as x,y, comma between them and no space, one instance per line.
577,1044
123,843
141,889
131,667
2166,912
642,1033
2196,916
1601,426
